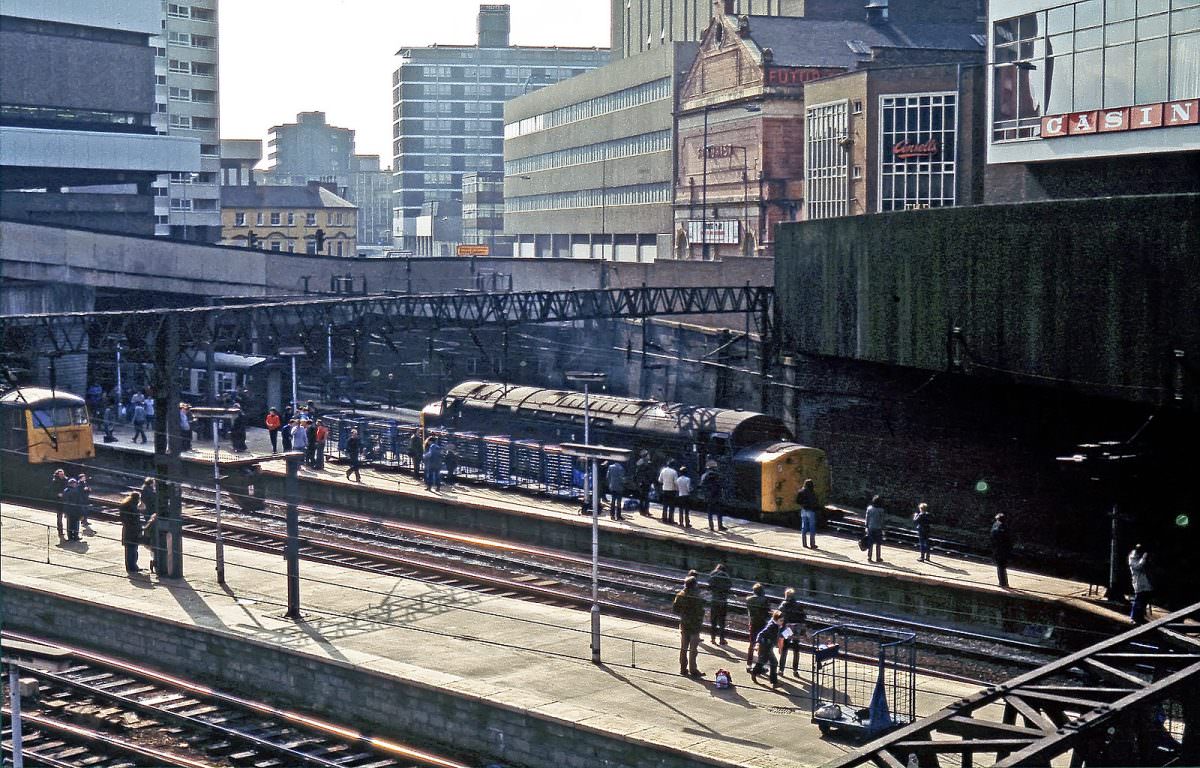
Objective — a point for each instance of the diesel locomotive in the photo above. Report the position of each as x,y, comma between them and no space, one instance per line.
40,428
762,467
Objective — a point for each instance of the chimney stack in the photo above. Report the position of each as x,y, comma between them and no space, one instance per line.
877,11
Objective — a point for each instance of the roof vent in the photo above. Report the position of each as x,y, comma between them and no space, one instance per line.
877,11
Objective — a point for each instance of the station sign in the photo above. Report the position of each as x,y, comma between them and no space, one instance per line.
1163,115
472,250
713,231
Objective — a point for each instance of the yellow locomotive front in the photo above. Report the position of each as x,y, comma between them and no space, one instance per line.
772,474
44,426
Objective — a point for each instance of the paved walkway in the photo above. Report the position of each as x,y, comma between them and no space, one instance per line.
838,551
514,652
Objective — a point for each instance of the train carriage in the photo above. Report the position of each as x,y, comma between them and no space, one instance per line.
41,427
762,466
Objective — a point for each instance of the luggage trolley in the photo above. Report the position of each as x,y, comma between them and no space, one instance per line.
863,679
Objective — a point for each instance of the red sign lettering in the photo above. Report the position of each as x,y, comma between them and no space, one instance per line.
795,75
1164,115
905,150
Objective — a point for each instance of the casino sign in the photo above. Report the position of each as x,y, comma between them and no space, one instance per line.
1163,115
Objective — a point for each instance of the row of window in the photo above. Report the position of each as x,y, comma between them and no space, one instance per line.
18,113
196,68
193,122
826,160
277,218
508,73
642,144
636,194
281,245
1089,55
178,11
917,151
645,93
197,95
190,204
190,40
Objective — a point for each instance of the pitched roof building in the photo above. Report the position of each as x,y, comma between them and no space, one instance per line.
309,219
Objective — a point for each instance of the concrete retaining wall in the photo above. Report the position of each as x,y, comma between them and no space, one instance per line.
342,692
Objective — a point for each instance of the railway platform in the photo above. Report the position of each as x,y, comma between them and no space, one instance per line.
947,590
510,678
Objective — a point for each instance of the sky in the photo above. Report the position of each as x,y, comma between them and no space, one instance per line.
281,57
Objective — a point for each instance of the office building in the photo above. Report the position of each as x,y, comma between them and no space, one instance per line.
186,69
483,212
588,164
77,98
643,25
1093,99
309,219
370,189
448,110
238,159
755,150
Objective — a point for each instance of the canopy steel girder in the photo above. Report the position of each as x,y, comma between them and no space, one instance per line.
306,321
1044,714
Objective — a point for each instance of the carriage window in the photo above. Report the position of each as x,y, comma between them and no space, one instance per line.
60,416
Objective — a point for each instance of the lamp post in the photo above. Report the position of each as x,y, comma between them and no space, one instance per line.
293,352
213,415
594,377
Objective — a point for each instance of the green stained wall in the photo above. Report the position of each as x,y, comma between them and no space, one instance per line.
1096,292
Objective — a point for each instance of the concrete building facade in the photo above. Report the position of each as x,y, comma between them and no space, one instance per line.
187,95
78,146
1093,99
588,164
483,212
448,109
755,150
310,219
238,159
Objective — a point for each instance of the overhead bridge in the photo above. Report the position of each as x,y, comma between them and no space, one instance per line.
305,322
1131,700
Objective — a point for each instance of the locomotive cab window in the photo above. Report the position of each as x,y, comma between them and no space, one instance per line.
59,416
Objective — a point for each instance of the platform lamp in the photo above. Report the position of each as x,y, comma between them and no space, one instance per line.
293,352
215,415
586,378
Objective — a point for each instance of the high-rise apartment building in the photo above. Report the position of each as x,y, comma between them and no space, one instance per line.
77,99
447,110
188,205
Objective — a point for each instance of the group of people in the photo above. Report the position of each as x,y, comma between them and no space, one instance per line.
138,513
73,500
300,430
772,631
672,484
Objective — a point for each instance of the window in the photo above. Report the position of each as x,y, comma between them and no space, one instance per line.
178,11
338,218
181,204
179,38
181,178
339,247
203,41
276,245
310,219
239,219
275,218
917,152
180,66
200,69
258,218
827,160
180,121
857,109
291,218
310,247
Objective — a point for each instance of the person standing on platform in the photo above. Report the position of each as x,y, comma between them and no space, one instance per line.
710,494
796,620
433,465
683,497
58,486
1139,560
139,421
643,478
299,437
758,611
1001,548
719,586
149,496
921,521
689,607
768,640
185,427
310,435
109,420
237,431
667,492
131,529
874,530
273,423
285,432
615,478
353,449
809,504
85,500
320,436
72,509
415,449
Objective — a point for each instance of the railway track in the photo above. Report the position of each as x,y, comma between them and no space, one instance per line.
100,712
495,567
